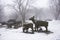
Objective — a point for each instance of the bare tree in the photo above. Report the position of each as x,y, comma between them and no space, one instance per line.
20,7
1,12
55,7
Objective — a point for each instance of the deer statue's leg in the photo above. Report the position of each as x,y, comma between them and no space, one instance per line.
46,28
37,28
27,30
40,29
23,29
9,26
32,30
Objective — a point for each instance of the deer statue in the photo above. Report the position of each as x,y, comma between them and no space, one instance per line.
39,23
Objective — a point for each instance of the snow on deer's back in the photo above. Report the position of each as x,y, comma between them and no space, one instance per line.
28,21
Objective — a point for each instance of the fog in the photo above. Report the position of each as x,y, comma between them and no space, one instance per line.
41,9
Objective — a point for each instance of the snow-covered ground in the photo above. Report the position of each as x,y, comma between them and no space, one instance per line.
17,34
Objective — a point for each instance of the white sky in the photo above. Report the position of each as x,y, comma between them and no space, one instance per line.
41,3
37,3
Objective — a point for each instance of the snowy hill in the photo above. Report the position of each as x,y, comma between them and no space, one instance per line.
17,34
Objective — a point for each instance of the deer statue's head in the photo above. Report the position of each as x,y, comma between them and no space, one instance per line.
32,18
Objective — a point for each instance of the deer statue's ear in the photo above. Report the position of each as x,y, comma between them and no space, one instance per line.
33,16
